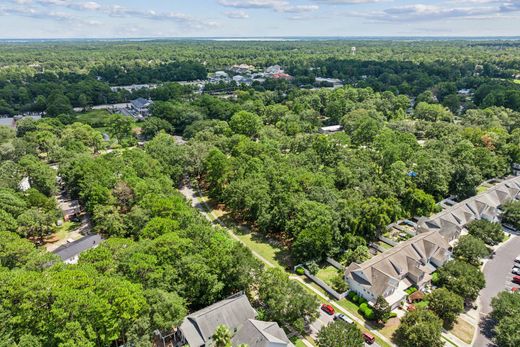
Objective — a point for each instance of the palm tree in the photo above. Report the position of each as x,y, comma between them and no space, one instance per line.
222,337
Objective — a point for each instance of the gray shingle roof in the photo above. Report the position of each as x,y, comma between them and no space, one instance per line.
256,333
198,327
140,103
432,241
73,249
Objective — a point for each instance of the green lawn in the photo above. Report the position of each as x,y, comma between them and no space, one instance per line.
95,118
65,229
260,245
384,245
327,273
481,189
463,330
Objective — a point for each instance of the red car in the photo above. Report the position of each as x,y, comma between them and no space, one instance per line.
516,279
369,338
328,309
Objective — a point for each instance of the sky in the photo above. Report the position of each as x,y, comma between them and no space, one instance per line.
256,18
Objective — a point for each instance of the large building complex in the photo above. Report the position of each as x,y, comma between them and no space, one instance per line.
413,261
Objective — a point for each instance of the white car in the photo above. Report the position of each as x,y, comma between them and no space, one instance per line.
516,271
344,318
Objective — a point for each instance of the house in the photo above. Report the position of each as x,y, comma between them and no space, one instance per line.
141,104
464,92
10,122
239,79
242,69
237,314
331,129
69,253
221,75
256,333
133,87
390,273
333,82
281,76
275,69
413,261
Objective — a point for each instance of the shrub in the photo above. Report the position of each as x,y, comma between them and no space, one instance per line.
313,267
369,314
393,315
351,295
300,270
410,290
339,284
362,300
363,306
435,278
355,298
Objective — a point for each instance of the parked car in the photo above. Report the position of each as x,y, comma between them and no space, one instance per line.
369,338
517,260
516,279
516,271
328,309
343,318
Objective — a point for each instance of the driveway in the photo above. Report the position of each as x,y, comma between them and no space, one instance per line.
323,320
498,278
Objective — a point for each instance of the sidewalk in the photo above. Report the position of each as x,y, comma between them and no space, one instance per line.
194,197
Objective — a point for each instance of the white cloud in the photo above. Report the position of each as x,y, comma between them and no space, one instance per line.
236,14
276,5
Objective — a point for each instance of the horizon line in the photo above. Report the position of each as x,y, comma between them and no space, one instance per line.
266,37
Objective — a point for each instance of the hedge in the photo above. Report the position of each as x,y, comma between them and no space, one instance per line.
300,271
351,295
366,311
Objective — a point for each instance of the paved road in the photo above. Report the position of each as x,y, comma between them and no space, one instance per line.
193,196
498,278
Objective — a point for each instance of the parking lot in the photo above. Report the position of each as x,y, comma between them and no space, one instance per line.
498,276
323,320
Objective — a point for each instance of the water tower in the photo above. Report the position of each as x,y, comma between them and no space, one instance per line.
353,49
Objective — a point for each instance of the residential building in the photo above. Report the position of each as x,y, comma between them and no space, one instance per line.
413,261
275,69
237,314
10,122
390,273
242,69
141,104
331,129
70,252
133,87
334,82
256,333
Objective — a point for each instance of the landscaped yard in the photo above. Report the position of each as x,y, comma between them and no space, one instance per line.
390,327
95,118
327,273
258,243
463,330
63,231
384,245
